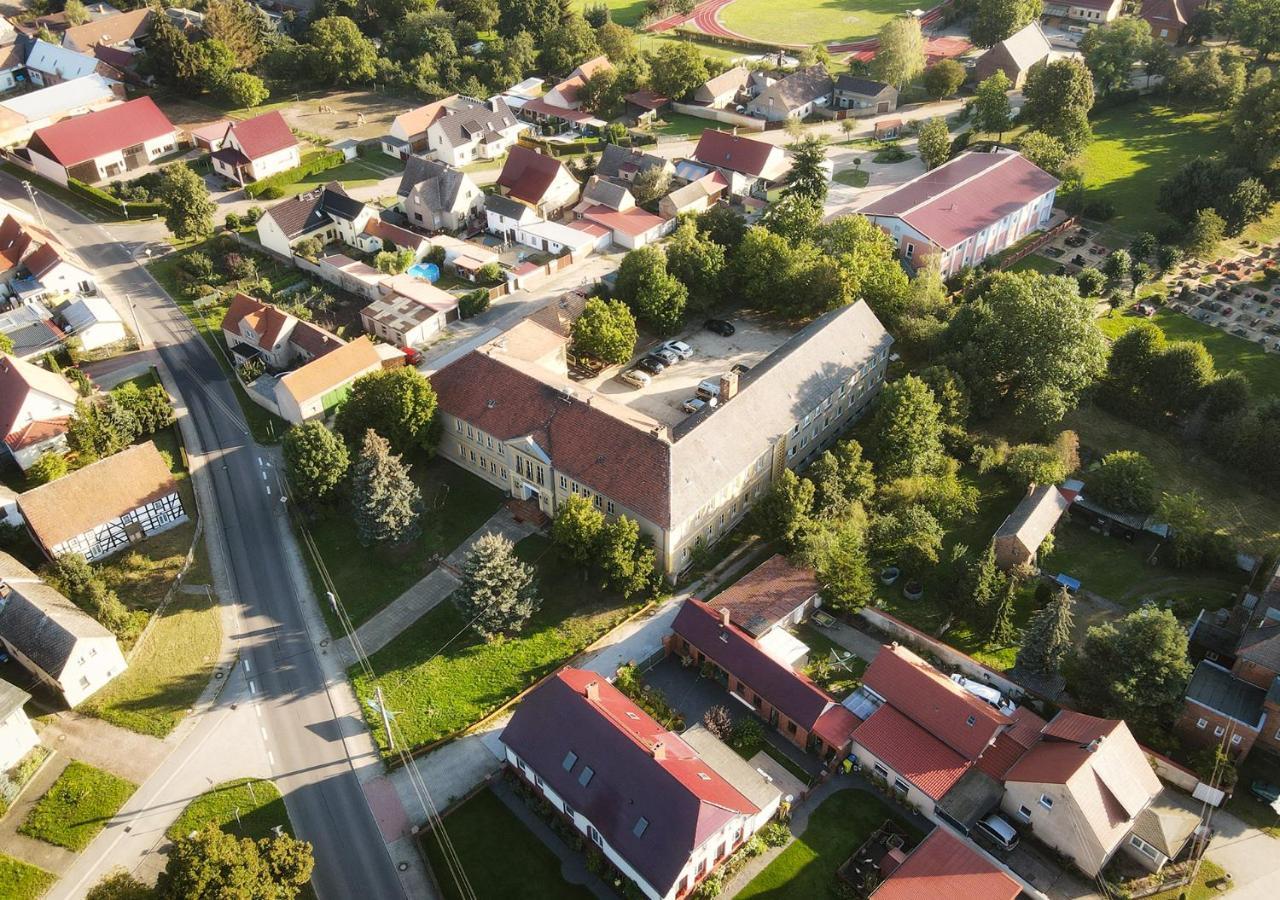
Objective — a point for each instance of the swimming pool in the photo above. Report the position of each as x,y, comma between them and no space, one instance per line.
427,271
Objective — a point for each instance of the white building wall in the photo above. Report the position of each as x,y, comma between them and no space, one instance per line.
48,168
273,237
94,663
100,334
17,739
273,163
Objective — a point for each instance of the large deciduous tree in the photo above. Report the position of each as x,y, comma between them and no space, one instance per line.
1057,99
1256,23
606,331
990,107
1125,481
576,529
399,404
995,20
900,55
340,54
943,79
626,557
934,142
1255,127
678,68
498,594
1111,50
188,211
782,514
237,25
569,44
386,503
315,460
212,863
907,430
698,263
910,537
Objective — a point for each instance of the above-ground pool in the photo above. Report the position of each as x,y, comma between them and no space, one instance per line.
427,271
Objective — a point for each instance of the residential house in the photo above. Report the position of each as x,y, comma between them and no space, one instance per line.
470,130
519,94
697,196
103,144
326,213
609,194
408,134
1018,539
437,196
316,389
1083,12
556,239
801,711
621,165
794,97
748,165
772,596
504,217
22,115
944,867
49,64
1169,18
94,322
863,96
17,737
642,795
35,405
1081,788
253,329
518,421
561,108
409,311
538,180
1162,831
31,330
966,210
106,506
49,272
727,89
630,228
1221,710
256,148
12,67
1015,55
124,31
59,644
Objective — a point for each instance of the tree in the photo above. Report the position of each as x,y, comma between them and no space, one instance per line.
537,17
212,863
1212,184
719,722
482,14
236,24
907,430
1255,127
606,331
6,344
1197,542
1091,283
723,225
1125,482
1111,50
841,476
1044,150
569,44
1130,366
1135,668
678,67
1207,231
660,302
934,142
100,428
576,529
808,177
1047,639
75,12
616,42
49,466
943,79
498,595
836,550
986,584
1057,99
650,184
243,90
399,404
627,559
1180,375
1116,266
1028,464
188,211
1143,245
911,537
1256,23
120,884
386,503
638,265
1002,630
995,20
340,54
783,512
990,107
900,56
698,263
315,461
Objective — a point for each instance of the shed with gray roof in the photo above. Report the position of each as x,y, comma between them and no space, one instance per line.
1021,534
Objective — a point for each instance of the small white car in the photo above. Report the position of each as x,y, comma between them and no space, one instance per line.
636,378
679,348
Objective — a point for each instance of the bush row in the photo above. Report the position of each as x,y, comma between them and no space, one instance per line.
126,209
272,188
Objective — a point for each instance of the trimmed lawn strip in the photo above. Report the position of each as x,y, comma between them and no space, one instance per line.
441,677
167,673
77,806
857,178
353,174
1199,889
21,881
256,801
807,868
527,868
673,123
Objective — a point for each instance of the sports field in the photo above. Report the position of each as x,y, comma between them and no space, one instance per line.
812,21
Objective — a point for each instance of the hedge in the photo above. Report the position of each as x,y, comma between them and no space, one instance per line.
562,148
727,41
125,209
273,187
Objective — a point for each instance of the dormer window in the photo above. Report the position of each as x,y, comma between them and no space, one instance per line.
570,759
641,824
971,720
585,778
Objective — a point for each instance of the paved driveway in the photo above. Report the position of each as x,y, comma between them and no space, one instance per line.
1251,856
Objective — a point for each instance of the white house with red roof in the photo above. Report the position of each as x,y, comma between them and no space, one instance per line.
746,164
656,809
1088,12
539,181
967,209
103,144
256,148
561,106
35,405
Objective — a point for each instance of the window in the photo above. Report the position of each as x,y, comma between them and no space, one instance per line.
1046,801
1219,731
901,785
470,433
1025,813
595,836
537,779
1235,740
881,770
585,778
609,507
596,501
570,759
1201,723
911,250
1143,847
791,727
458,423
970,721
641,824
564,483
520,765
568,810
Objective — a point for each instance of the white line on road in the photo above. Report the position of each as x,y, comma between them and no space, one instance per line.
268,490
251,690
264,733
247,667
271,759
259,460
257,710
264,475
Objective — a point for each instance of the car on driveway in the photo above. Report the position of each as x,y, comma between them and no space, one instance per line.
696,404
651,364
679,348
1265,791
636,378
722,327
670,357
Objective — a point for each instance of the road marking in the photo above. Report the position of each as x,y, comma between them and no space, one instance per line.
264,733
257,710
264,475
259,460
247,667
251,690
271,759
268,490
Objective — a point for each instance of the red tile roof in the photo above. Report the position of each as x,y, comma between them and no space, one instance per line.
401,237
263,135
770,591
17,380
95,134
633,222
910,751
1000,757
42,260
944,868
733,152
576,721
527,174
836,726
933,701
962,197
568,89
14,242
266,320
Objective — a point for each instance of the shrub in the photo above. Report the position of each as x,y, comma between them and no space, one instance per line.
775,834
1099,210
273,187
747,735
718,722
474,303
233,221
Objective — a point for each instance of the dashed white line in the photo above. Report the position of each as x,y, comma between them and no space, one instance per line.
268,490
264,475
259,460
264,733
271,758
247,667
251,688
257,710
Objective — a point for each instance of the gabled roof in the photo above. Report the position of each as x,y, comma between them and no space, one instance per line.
527,174
1168,823
416,121
12,699
31,329
435,184
94,134
60,99
332,370
962,197
910,751
1163,13
510,209
14,242
800,87
18,379
728,80
633,221
1261,646
942,867
599,191
117,29
1217,689
54,60
312,209
37,621
267,321
385,231
1034,516
653,799
466,120
263,135
864,87
770,591
616,162
43,260
100,492
1024,48
568,89
738,154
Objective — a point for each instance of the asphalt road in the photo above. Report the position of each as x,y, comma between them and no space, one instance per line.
326,804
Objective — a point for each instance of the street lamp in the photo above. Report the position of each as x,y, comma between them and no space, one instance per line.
31,193
137,329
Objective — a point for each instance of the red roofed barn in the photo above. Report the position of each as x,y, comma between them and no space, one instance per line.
255,149
103,144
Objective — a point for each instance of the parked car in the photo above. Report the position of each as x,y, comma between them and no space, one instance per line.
636,378
722,327
679,348
739,369
697,404
669,357
997,831
1265,791
651,364
709,389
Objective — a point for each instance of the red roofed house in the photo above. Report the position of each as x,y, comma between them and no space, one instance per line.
35,405
255,149
1168,18
632,228
967,209
560,106
103,144
539,181
251,327
944,867
745,163
804,713
656,809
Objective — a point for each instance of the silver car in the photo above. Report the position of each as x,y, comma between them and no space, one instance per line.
679,348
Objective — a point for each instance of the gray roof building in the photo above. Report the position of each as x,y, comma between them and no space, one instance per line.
1024,530
31,329
1216,688
625,163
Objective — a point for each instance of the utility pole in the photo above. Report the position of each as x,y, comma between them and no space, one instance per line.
31,193
386,720
137,329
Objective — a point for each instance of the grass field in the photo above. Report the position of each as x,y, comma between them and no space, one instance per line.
167,673
807,868
1137,146
256,801
353,174
527,869
443,677
624,12
648,40
678,124
805,22
852,177
20,881
77,806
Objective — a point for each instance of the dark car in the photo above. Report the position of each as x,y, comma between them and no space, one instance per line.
1265,791
651,364
722,327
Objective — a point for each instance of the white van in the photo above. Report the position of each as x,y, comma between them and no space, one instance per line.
999,832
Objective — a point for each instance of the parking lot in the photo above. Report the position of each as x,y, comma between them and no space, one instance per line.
713,355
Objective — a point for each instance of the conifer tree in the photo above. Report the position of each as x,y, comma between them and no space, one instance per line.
387,502
1048,636
498,594
1002,630
986,581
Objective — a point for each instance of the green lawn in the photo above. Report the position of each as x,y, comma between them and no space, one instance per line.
680,124
1034,262
1135,147
441,677
368,578
839,681
20,881
857,178
523,868
810,21
652,42
807,868
353,174
256,801
77,806
167,673
624,12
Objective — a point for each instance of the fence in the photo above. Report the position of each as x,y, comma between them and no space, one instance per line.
724,116
1032,246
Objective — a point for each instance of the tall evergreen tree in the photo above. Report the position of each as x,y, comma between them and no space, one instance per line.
808,176
498,594
1048,636
986,581
1002,630
387,503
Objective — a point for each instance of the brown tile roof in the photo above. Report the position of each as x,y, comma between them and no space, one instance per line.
527,174
99,492
568,89
306,211
263,135
1034,516
401,237
14,242
127,26
766,594
42,260
332,370
944,868
624,463
733,152
1262,647
910,751
267,321
416,121
17,380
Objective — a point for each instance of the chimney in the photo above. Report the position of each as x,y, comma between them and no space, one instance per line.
592,690
659,750
724,616
728,386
